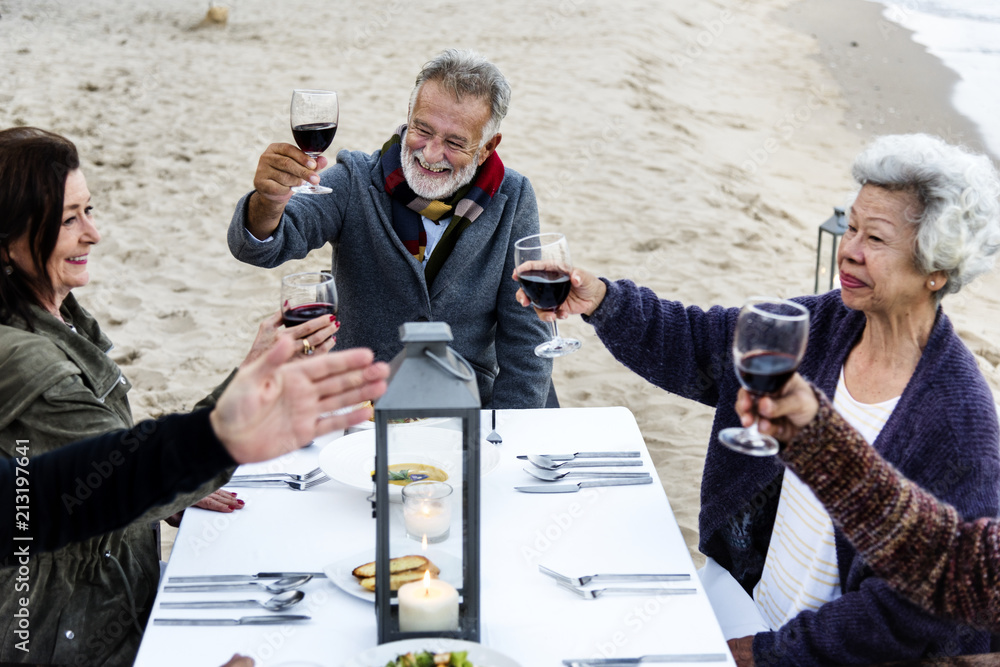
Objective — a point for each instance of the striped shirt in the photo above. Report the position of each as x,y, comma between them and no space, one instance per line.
800,571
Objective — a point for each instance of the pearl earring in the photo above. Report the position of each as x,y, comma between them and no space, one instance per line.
8,270
932,283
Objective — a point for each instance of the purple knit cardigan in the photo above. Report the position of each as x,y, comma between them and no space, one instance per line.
943,435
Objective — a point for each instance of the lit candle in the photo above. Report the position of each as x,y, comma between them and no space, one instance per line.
430,605
427,510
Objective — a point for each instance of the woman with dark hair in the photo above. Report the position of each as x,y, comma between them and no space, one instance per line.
90,599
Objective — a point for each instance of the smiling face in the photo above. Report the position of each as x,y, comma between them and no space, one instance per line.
67,265
876,261
442,148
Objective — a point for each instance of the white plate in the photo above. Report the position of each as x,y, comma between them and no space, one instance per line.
351,459
339,572
481,656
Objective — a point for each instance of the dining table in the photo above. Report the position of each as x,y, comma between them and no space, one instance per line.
525,615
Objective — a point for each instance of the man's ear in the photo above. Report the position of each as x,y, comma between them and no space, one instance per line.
489,147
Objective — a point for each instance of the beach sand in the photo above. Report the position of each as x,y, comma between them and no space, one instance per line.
692,147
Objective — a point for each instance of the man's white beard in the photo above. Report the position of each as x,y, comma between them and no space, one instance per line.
434,188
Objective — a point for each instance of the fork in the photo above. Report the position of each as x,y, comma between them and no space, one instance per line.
273,475
596,578
294,484
494,437
594,593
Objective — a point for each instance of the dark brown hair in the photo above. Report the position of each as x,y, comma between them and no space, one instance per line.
34,165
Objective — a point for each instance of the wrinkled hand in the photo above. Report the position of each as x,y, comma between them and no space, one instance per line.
239,661
585,295
783,415
281,167
272,407
742,650
320,332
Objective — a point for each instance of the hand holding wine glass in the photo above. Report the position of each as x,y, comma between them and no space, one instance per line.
543,268
305,296
768,345
314,117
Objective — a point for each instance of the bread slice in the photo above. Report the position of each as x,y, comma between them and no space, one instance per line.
397,580
396,565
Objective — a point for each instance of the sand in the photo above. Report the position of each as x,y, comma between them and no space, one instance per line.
692,147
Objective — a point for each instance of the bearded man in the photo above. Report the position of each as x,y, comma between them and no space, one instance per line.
422,230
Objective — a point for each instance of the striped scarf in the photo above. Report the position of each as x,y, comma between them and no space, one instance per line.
464,206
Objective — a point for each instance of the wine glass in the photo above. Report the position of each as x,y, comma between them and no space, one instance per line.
314,118
307,295
768,345
546,282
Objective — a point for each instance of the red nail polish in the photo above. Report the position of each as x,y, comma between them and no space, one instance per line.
333,318
241,502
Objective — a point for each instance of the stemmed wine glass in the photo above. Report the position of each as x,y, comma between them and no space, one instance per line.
314,117
768,345
305,296
546,282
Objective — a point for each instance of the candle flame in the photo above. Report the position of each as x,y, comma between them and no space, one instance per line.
427,583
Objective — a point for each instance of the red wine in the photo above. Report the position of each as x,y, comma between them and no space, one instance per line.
306,312
546,289
314,138
766,372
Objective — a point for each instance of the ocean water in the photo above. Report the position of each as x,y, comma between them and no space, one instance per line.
965,36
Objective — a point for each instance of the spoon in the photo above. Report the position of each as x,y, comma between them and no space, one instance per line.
555,475
548,464
279,586
275,603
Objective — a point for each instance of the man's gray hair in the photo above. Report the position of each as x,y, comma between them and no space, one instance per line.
958,229
468,73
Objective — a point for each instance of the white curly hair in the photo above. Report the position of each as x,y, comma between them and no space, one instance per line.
958,229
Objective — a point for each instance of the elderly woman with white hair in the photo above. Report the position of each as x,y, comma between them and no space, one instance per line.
786,585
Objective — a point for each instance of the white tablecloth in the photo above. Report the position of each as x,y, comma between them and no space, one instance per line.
524,613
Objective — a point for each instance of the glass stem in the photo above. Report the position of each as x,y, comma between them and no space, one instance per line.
752,431
555,329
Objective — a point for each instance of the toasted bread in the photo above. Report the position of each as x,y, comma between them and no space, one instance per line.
397,580
396,565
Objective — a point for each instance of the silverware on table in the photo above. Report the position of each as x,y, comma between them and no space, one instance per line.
598,578
240,578
573,488
246,620
315,472
594,593
646,660
556,475
295,485
279,586
494,437
550,464
587,455
278,602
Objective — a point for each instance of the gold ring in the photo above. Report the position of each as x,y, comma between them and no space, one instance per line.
307,349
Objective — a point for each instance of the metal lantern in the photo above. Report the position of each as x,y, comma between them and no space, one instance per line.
835,226
428,380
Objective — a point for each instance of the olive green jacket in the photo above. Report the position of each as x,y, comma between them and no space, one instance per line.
58,386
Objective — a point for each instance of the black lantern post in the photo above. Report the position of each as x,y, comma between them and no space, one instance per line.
835,226
428,379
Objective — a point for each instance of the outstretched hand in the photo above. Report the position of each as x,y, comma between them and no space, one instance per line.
781,416
272,407
585,295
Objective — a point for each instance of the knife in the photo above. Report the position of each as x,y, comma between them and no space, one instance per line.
219,578
246,620
573,488
646,659
587,455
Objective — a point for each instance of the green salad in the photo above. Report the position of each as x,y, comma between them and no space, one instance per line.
428,659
